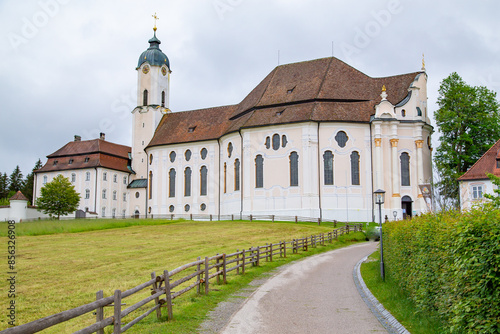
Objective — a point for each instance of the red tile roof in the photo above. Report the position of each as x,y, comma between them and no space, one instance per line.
88,154
18,197
318,90
487,164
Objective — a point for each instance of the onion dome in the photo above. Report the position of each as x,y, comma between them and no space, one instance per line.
153,55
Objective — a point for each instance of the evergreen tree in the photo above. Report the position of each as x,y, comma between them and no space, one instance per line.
30,181
58,197
4,185
16,181
469,122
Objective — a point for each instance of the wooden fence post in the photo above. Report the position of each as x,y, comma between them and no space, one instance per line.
210,217
243,262
157,299
319,221
217,268
258,255
237,262
224,272
206,275
168,293
198,268
273,218
99,311
335,223
296,220
284,248
250,218
117,326
232,217
271,252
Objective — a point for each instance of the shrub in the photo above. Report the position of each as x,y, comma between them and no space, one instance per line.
449,263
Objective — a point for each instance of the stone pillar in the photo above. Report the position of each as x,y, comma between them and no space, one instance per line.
420,175
378,164
396,178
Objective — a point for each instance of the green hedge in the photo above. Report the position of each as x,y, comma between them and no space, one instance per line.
449,264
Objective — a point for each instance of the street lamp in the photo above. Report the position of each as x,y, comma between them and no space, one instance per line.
379,199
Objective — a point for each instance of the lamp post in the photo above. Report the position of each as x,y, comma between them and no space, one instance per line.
379,199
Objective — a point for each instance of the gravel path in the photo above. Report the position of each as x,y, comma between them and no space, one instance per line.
313,295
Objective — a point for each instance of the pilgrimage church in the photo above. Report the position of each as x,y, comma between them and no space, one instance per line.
312,139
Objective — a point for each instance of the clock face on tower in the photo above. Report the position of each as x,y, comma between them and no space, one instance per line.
164,71
145,69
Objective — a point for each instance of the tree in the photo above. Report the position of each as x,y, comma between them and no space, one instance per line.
58,197
4,185
495,199
469,122
16,181
30,180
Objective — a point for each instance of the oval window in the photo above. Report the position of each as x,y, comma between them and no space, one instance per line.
172,156
187,155
203,153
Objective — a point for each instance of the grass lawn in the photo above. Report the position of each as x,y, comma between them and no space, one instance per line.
396,301
56,272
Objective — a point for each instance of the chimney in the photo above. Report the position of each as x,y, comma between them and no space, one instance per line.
103,136
78,138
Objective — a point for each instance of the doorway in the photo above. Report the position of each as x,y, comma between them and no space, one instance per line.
406,205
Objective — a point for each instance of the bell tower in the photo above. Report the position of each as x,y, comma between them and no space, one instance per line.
153,83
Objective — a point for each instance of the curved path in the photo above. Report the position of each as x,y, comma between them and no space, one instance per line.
315,295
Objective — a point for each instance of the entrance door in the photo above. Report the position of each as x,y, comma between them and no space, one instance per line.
136,214
406,206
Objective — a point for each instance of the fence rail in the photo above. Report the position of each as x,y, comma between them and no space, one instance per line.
197,274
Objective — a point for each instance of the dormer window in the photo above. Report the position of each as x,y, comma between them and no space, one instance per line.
279,113
290,91
55,162
191,129
87,159
70,161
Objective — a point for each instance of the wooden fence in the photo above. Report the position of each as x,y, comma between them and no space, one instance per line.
166,287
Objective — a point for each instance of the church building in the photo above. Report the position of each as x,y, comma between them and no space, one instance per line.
312,139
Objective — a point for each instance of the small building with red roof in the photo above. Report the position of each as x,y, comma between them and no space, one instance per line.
475,182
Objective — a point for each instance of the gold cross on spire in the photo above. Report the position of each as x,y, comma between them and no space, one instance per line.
423,62
155,18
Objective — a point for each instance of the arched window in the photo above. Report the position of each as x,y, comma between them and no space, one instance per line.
115,178
268,142
114,195
104,194
229,149
284,141
103,213
405,169
276,141
73,177
328,167
259,171
124,180
236,174
87,176
355,168
187,182
87,193
45,178
294,169
171,183
150,185
163,98
113,213
145,98
203,179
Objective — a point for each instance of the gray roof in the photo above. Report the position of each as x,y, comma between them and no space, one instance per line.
139,183
153,55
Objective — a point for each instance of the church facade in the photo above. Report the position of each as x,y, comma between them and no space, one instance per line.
313,139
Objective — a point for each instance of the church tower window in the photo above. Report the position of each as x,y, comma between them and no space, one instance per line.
294,169
259,171
187,182
163,98
355,168
236,175
145,98
171,183
405,169
150,185
328,167
203,179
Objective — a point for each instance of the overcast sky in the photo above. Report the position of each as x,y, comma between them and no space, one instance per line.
68,67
